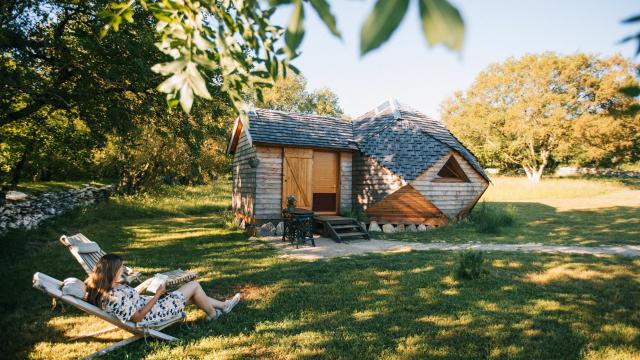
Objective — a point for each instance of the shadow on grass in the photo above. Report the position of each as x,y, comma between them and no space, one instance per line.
381,305
540,223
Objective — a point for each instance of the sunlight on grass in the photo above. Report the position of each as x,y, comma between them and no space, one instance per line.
520,189
46,186
377,306
570,272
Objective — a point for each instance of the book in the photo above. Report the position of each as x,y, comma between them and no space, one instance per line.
171,278
158,280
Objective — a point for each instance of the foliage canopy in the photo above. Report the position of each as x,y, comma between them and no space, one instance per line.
542,108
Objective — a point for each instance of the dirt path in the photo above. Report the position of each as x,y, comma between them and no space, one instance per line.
327,248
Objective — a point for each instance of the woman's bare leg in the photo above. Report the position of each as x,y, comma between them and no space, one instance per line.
194,294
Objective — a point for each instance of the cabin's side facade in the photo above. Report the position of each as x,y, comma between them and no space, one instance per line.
244,179
429,199
453,198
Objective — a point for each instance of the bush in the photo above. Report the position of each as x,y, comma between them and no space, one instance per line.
489,220
350,213
470,265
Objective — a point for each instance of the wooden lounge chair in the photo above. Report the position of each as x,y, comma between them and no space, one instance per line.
53,286
88,260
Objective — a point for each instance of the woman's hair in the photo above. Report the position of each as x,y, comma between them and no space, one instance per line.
100,280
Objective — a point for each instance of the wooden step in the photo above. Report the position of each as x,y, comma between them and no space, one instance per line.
345,226
342,228
352,234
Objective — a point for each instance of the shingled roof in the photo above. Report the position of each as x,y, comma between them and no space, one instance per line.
400,138
282,128
406,141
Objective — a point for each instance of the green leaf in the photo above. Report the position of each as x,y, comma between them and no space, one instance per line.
294,69
279,2
128,15
632,19
631,91
381,23
173,102
295,30
442,23
186,97
116,20
324,11
196,81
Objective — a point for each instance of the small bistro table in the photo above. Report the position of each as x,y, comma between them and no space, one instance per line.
298,226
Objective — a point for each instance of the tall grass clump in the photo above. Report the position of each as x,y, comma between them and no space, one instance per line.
470,265
489,219
350,213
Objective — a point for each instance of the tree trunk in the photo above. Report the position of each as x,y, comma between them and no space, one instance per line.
534,174
17,171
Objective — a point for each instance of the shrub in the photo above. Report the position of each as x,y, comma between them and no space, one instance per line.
470,265
229,220
489,220
350,213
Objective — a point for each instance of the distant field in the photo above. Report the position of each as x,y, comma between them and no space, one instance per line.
517,189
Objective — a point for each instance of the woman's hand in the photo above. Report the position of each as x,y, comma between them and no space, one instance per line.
161,290
140,314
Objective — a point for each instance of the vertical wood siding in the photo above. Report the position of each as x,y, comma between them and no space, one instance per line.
269,183
346,180
244,179
451,198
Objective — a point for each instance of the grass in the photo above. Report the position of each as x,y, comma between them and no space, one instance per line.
518,189
565,211
44,186
390,306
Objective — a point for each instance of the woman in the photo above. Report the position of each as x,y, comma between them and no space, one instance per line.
127,303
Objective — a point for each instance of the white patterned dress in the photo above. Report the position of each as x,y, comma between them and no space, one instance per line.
123,301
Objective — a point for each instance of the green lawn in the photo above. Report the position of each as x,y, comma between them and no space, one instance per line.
588,212
392,306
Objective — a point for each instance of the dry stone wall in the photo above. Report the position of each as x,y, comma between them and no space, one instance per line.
28,211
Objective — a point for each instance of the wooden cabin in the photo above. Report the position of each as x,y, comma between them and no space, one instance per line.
393,164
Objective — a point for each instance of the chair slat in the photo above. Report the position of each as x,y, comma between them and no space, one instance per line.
89,261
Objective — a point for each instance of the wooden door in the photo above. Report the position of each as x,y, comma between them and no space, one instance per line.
297,170
325,181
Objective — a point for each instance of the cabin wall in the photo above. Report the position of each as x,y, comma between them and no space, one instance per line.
371,182
346,180
454,198
244,180
269,183
405,206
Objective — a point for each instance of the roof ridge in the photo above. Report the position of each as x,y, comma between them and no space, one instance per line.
299,114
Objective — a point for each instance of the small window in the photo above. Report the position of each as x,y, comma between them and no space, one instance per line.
451,172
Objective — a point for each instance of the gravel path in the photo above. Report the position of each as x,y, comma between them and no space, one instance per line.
327,248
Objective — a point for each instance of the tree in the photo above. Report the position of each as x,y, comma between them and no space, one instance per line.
531,110
326,103
290,94
238,38
69,96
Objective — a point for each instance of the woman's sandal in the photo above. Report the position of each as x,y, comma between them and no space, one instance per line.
232,303
218,314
